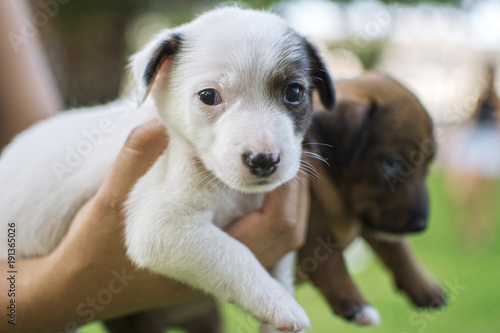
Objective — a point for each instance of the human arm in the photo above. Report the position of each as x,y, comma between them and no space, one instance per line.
28,92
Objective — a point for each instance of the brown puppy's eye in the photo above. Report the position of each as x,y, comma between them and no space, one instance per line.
210,97
294,93
391,164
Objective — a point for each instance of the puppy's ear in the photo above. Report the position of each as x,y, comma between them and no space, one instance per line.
345,129
146,64
321,78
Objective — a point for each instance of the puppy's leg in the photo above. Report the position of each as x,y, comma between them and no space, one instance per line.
193,316
408,275
284,272
330,275
172,233
145,322
207,321
205,257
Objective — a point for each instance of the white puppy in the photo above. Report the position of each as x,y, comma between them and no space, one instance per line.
233,88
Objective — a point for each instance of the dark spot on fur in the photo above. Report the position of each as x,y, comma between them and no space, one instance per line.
166,49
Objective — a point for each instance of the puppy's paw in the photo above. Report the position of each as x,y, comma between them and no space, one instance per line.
367,316
291,319
285,314
358,313
266,328
355,311
433,297
428,295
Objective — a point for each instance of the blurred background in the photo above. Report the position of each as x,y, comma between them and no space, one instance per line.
446,51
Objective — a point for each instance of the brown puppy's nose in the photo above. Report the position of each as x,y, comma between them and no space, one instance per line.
261,165
417,225
419,212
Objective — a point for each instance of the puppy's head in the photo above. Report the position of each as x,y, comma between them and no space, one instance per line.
382,143
236,85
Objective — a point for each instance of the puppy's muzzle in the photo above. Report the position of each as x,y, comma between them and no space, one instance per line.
417,225
261,165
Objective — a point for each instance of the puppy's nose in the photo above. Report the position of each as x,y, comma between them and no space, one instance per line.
418,225
261,165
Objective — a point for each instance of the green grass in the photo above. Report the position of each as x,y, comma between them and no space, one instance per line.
473,310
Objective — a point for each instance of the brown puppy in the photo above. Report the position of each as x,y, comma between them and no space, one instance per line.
378,142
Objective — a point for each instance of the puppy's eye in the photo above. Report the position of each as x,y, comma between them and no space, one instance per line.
294,93
391,164
210,97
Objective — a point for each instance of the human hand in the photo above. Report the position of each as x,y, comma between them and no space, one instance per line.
88,276
280,226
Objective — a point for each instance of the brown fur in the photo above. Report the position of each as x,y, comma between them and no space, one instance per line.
195,316
362,194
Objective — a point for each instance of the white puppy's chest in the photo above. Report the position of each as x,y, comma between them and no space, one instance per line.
232,205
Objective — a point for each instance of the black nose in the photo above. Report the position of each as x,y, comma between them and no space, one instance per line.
419,212
261,165
417,225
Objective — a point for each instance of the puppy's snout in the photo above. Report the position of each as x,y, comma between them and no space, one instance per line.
261,165
418,225
419,212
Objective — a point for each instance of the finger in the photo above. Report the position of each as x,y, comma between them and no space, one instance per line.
274,253
250,231
295,239
261,230
141,149
143,146
288,204
253,231
303,207
278,200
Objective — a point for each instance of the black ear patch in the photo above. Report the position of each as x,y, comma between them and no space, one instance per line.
166,49
321,78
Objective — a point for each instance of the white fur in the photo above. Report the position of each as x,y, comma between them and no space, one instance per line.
199,184
41,200
368,316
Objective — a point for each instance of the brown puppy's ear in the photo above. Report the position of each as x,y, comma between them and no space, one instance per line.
321,78
146,64
345,129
